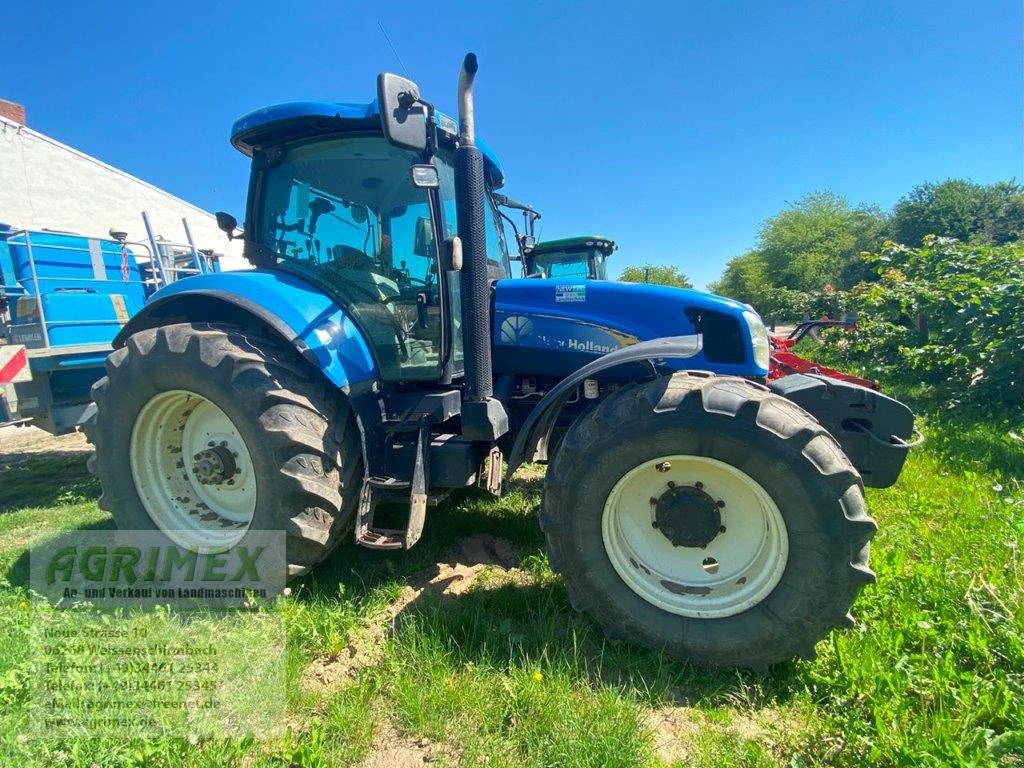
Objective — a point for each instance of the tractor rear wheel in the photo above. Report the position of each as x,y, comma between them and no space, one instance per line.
710,518
207,431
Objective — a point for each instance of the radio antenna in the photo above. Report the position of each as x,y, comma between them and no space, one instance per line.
393,49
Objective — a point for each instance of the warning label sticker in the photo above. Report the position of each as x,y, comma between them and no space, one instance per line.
120,308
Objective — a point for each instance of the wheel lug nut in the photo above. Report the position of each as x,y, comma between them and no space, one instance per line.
654,501
211,444
721,529
664,466
720,503
698,485
671,484
223,443
654,524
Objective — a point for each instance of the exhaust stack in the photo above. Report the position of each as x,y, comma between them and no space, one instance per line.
483,417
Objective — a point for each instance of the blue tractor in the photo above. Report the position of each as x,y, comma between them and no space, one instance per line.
379,352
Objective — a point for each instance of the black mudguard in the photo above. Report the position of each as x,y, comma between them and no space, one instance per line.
873,429
536,432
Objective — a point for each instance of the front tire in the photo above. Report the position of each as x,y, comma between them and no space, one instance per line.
710,518
205,432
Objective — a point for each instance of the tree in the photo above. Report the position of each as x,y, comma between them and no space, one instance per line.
818,242
653,273
802,254
976,213
944,320
745,278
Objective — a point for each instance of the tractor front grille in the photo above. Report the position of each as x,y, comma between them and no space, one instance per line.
723,335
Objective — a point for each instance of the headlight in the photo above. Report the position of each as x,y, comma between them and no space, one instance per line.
758,338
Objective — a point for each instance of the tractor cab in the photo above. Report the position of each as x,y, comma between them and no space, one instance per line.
369,221
572,257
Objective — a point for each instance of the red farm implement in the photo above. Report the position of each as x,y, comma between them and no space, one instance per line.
784,361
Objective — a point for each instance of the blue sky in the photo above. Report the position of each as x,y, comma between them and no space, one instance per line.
674,128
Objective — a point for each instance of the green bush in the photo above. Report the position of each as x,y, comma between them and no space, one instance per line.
946,320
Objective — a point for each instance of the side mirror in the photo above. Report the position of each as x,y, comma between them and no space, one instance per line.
227,224
402,115
423,243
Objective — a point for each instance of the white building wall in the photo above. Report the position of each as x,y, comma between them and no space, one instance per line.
47,185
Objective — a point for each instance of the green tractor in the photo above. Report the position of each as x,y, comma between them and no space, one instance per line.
575,258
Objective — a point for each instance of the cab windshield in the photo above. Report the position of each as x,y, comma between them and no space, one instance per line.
345,211
580,264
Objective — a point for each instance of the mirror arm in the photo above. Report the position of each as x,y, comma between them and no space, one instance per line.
431,148
519,240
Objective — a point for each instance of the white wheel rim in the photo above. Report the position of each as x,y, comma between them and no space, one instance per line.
179,439
735,570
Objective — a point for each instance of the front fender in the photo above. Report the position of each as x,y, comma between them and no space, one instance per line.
322,332
542,418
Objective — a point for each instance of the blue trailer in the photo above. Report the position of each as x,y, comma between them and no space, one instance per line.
63,299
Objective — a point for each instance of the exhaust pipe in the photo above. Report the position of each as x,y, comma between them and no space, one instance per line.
467,131
483,417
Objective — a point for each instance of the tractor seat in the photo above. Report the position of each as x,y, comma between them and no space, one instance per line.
347,257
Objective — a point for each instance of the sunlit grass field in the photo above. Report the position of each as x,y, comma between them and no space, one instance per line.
501,672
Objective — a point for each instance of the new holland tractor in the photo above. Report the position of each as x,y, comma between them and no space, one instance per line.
379,353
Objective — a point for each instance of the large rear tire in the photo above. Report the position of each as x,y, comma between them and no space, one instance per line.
208,431
710,518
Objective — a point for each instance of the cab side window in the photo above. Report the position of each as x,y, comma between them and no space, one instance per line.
497,254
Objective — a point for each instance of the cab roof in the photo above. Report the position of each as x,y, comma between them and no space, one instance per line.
582,241
302,119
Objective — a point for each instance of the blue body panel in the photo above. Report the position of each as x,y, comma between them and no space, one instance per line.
340,110
552,327
310,317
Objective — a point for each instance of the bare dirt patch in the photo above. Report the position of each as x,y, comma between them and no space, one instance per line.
472,557
676,729
19,444
392,750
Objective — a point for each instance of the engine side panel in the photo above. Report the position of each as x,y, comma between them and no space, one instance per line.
553,327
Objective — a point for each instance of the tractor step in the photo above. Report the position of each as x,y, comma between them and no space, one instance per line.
388,484
376,489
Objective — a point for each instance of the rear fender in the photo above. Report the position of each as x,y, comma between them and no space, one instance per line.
537,429
322,332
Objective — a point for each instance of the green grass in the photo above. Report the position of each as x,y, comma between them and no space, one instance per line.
507,675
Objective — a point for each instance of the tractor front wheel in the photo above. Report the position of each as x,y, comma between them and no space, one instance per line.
206,431
710,518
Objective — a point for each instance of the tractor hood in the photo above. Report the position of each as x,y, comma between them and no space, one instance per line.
554,326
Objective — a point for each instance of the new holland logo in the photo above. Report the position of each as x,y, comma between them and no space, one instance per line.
516,328
588,345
